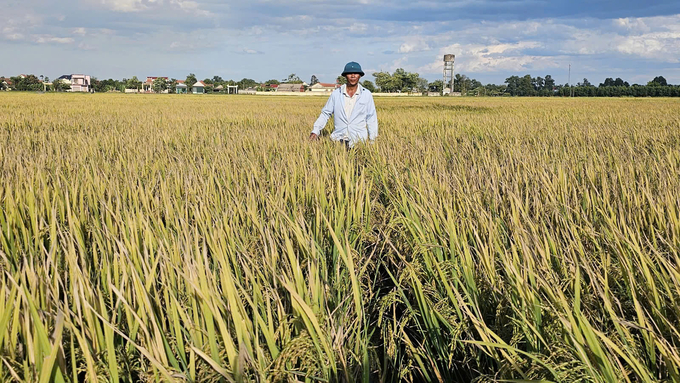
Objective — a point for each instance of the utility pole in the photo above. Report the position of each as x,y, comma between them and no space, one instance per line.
569,80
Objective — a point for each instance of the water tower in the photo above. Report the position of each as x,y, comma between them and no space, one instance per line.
448,71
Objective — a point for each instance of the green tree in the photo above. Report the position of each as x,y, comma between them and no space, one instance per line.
400,80
133,83
172,85
313,80
293,79
607,82
383,80
422,84
658,81
60,86
341,80
436,86
525,86
538,83
513,85
368,85
549,83
97,85
190,81
246,83
409,82
620,82
27,83
159,84
217,80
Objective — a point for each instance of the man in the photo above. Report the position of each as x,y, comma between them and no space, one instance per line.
353,109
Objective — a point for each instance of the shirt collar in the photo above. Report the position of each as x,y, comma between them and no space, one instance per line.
344,90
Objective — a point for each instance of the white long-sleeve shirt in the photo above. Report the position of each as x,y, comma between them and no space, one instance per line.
355,117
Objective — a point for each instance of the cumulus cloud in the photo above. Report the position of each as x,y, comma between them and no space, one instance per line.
478,58
632,24
663,46
130,6
249,51
45,39
414,46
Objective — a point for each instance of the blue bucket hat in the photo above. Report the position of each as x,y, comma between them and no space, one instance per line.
352,67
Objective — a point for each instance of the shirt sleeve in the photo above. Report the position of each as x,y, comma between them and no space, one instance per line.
326,113
372,120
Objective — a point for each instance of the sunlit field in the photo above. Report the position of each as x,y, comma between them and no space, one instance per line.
203,239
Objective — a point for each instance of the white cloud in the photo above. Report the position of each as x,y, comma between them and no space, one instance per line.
46,39
414,46
13,36
128,6
249,51
632,24
86,47
125,5
664,46
477,58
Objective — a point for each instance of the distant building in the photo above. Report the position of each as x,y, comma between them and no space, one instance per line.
323,87
198,88
181,87
78,82
290,88
269,87
147,86
7,82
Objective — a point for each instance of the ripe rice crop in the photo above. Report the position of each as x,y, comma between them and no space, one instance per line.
203,238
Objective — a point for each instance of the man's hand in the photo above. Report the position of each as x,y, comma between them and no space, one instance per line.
313,137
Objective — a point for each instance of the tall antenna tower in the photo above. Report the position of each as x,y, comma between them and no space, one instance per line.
448,71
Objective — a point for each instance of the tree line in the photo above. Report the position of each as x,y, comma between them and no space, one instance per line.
386,82
538,86
32,83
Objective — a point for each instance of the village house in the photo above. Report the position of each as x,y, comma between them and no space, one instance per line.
147,86
78,82
6,82
269,87
198,88
323,87
181,87
290,88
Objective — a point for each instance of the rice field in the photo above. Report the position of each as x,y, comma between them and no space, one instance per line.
204,239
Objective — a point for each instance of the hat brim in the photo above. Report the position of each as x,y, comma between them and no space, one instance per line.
357,72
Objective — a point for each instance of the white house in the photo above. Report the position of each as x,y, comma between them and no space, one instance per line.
198,88
78,82
323,87
287,88
147,86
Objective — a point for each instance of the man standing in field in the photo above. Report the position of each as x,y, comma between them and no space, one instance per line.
353,109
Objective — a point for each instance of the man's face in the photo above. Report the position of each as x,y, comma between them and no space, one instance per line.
353,78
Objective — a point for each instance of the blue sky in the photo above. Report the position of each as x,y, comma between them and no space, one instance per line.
265,39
